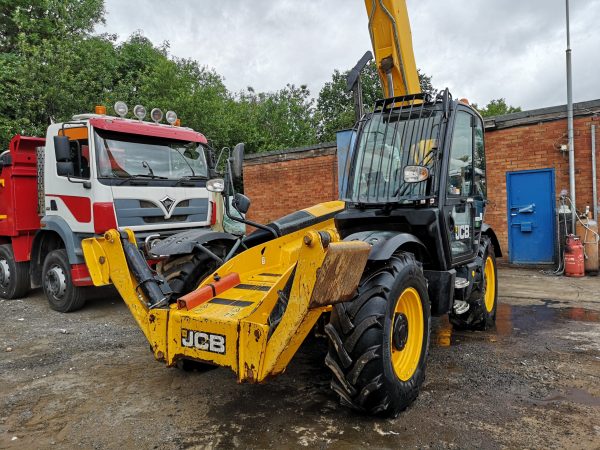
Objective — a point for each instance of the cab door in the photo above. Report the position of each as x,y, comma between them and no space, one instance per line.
462,198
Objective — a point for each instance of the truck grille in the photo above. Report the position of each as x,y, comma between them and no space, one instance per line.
132,212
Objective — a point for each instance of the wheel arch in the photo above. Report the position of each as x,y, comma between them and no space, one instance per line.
487,230
55,234
386,243
184,242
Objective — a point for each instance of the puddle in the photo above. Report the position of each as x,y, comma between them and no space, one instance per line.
571,395
511,320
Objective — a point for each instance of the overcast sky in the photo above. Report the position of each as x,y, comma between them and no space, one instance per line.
479,49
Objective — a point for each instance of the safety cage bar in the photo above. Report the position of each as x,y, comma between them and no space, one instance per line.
401,131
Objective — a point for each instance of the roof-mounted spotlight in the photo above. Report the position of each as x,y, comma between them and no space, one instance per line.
156,115
121,109
139,111
171,117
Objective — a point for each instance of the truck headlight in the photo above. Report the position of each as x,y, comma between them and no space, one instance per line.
215,185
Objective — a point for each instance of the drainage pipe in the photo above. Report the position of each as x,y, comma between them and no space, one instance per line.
594,190
570,125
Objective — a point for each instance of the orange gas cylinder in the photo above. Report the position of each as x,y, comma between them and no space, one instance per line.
574,261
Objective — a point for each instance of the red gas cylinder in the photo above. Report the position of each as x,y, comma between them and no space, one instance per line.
574,260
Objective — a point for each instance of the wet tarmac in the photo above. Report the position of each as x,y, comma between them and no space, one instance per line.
87,380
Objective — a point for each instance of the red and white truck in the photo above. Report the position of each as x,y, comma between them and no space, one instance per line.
88,175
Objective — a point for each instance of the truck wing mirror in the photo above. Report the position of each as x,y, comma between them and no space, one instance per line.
238,160
62,149
241,203
65,169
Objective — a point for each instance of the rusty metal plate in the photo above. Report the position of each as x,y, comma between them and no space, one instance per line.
340,273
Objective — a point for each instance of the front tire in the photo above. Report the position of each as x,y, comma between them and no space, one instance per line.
379,340
184,273
14,276
57,282
483,301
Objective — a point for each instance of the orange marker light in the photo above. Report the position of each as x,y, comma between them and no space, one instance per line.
464,101
177,123
100,110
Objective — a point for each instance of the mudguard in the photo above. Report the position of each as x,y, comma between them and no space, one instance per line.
385,243
183,243
488,231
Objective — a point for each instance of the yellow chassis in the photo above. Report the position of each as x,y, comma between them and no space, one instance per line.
232,329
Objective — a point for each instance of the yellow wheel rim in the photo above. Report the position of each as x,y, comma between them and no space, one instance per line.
490,284
407,330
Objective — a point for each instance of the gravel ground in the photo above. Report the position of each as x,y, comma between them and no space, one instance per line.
88,380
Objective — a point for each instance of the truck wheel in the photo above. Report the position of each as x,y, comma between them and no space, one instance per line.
185,273
14,276
484,297
62,295
378,342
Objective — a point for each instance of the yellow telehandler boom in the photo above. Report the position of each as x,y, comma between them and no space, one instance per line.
392,43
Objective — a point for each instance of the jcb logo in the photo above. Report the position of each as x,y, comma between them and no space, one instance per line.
208,342
462,232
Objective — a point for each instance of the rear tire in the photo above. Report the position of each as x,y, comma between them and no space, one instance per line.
483,301
14,276
58,286
378,342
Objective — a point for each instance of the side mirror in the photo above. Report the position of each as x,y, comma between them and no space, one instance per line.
241,203
62,149
238,160
65,169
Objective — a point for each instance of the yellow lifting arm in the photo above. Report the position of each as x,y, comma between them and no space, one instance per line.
392,43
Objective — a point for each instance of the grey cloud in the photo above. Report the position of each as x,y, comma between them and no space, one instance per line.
480,49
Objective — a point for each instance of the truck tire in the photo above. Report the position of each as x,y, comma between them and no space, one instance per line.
483,301
378,342
58,286
184,273
14,276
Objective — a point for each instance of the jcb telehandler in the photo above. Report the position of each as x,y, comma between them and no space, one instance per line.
406,242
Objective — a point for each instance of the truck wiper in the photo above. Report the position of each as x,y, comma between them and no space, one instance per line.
190,178
143,176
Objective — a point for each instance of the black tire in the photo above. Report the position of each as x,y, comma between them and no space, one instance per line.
361,352
14,276
184,273
58,286
481,316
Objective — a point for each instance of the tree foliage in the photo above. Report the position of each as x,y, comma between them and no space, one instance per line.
497,107
52,66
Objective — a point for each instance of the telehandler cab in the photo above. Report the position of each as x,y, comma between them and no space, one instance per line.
406,242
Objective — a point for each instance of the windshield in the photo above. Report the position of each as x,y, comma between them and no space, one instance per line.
121,155
389,141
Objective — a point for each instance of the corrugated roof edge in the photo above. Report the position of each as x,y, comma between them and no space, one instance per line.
309,151
551,113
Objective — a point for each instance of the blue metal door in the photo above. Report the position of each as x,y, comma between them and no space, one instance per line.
531,224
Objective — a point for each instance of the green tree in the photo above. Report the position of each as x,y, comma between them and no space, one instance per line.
335,105
497,107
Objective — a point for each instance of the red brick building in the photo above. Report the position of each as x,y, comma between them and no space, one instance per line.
281,182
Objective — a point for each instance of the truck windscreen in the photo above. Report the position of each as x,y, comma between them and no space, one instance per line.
121,155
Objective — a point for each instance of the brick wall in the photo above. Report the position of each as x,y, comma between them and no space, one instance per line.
281,182
537,146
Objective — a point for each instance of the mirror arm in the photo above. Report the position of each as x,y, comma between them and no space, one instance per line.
86,184
242,220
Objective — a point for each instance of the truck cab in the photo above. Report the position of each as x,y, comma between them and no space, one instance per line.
98,172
